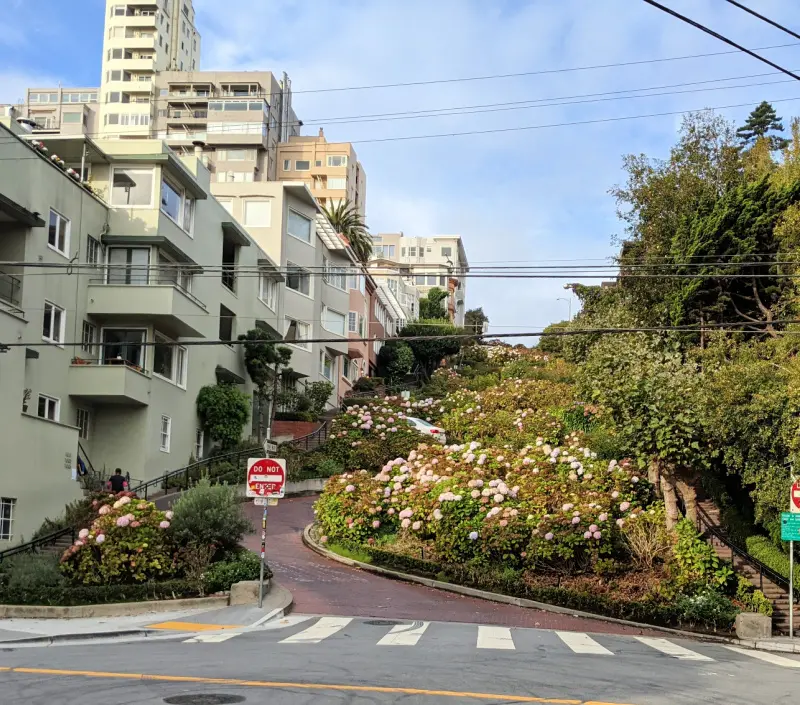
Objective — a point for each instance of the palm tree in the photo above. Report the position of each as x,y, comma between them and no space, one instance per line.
347,221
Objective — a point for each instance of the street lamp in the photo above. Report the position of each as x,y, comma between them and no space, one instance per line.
569,301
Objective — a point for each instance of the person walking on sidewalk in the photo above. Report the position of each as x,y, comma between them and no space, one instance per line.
117,483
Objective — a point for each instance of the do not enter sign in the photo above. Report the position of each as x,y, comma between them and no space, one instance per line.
266,477
795,497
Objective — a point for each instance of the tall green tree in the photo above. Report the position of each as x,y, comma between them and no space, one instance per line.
432,306
760,123
265,362
348,222
474,320
223,411
427,341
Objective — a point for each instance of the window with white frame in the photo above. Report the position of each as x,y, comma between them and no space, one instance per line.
268,291
447,252
94,251
53,323
177,205
227,204
82,420
337,182
352,322
299,226
337,160
362,326
132,187
237,155
298,279
169,360
333,275
58,232
287,164
257,214
347,363
333,321
7,505
199,438
49,407
88,337
326,365
302,333
166,433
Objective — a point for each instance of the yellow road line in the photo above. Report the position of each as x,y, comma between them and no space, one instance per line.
308,686
193,626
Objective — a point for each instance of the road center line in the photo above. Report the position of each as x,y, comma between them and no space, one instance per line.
309,686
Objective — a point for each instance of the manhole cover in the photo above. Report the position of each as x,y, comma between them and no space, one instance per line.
381,622
204,699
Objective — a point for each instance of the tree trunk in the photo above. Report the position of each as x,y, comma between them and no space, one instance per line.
654,475
274,397
689,494
670,499
260,398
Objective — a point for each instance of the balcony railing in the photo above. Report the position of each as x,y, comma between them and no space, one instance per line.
117,361
185,114
155,279
10,289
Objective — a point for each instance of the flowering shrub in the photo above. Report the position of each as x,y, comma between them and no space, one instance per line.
543,506
128,542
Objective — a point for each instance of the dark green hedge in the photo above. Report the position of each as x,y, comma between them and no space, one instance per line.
66,595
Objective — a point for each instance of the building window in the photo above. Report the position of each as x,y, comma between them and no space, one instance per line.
302,165
169,360
337,160
7,505
230,254
352,322
257,214
132,187
94,250
88,336
441,281
334,276
128,265
431,280
166,433
299,226
58,233
337,182
227,319
298,279
412,251
333,321
72,118
82,418
362,326
199,438
346,366
287,164
123,347
302,332
326,365
227,204
268,291
53,323
177,206
237,155
447,252
419,280
49,407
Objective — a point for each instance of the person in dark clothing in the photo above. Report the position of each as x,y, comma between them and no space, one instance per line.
117,483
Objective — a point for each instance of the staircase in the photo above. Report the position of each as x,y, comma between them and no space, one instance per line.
774,586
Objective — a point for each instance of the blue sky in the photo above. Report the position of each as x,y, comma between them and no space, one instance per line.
518,196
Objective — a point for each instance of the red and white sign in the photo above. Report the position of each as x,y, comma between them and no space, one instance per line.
266,477
794,505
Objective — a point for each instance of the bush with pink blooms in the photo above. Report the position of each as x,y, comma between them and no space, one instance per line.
127,542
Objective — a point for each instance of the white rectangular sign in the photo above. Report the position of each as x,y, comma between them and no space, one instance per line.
270,447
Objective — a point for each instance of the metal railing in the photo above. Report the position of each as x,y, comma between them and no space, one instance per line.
706,525
39,543
10,289
118,361
312,440
155,278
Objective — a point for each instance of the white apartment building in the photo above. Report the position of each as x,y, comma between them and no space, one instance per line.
425,262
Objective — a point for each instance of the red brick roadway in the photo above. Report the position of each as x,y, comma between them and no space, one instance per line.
322,586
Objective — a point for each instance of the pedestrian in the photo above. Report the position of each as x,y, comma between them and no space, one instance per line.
117,483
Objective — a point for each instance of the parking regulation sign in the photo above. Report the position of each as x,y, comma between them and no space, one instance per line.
266,477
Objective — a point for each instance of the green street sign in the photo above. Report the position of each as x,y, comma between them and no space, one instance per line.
790,526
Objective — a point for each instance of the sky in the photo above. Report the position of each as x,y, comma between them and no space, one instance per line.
523,195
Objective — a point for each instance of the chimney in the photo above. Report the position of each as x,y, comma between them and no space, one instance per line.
322,133
199,145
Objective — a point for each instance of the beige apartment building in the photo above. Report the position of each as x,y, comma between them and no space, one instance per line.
330,169
424,262
103,353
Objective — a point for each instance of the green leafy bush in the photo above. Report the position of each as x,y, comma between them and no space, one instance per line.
223,410
318,394
762,549
752,599
66,595
31,571
210,514
698,565
707,607
295,416
243,565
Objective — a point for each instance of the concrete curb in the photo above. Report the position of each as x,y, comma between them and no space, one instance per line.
117,609
77,638
532,604
279,603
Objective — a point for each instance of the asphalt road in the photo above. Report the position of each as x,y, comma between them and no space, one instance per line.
308,659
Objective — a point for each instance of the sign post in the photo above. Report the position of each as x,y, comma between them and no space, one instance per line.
266,478
790,531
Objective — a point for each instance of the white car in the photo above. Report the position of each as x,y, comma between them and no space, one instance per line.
427,429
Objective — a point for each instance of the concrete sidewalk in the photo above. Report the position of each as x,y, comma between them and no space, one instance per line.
47,631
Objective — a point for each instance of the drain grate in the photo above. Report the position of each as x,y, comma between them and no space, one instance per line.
382,622
204,699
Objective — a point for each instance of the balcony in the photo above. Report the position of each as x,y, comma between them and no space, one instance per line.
187,116
171,308
122,384
10,290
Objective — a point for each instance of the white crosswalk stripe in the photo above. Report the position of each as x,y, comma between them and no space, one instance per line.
211,638
774,659
667,647
583,643
321,629
404,634
495,638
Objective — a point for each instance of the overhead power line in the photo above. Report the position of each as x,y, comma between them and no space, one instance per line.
765,19
722,38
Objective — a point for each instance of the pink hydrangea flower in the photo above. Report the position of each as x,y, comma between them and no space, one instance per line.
164,525
405,523
503,522
614,494
83,533
135,524
417,525
100,538
79,543
323,539
105,509
376,524
593,528
548,536
123,521
620,522
350,488
576,520
625,506
598,534
603,517
473,536
587,535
